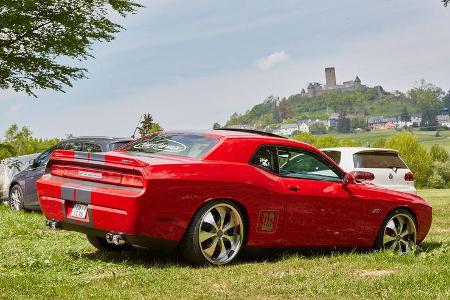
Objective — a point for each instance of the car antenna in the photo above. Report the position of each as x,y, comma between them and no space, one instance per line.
137,127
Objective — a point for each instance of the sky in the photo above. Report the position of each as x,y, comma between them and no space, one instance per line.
191,63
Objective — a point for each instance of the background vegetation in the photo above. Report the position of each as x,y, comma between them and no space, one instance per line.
356,105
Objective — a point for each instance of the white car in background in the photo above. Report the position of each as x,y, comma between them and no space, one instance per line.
382,167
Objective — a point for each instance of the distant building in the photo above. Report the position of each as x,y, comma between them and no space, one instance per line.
443,120
333,120
287,129
316,88
416,119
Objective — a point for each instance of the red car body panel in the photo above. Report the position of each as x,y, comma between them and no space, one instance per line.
280,212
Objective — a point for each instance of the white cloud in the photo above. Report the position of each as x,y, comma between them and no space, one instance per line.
15,108
272,60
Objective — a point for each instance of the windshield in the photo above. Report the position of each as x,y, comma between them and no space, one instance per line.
188,145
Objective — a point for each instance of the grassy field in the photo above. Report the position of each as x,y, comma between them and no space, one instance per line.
426,137
37,263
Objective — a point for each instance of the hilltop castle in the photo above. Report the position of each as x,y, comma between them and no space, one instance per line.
315,88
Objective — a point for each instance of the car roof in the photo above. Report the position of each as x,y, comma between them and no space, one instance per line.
229,133
353,150
100,139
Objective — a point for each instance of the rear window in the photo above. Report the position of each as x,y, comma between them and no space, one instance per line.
378,160
334,155
118,145
188,145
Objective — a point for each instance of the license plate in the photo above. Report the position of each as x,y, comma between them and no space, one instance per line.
79,211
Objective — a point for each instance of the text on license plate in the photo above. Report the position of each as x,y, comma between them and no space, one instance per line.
79,211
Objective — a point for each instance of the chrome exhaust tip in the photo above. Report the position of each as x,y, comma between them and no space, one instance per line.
53,225
114,238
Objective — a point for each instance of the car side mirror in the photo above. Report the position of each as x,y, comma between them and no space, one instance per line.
348,178
32,162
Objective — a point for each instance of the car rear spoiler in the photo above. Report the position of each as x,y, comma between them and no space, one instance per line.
98,158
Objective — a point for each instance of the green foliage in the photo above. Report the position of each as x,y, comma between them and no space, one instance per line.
443,169
346,142
326,141
306,137
438,153
318,128
148,125
436,181
414,154
358,122
217,126
446,2
22,142
6,151
35,36
380,143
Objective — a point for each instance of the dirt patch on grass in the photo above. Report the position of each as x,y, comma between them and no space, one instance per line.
442,230
374,273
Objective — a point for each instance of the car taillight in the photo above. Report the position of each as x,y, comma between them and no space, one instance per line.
409,176
103,176
361,175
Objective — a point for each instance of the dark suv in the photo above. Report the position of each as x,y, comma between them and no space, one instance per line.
22,190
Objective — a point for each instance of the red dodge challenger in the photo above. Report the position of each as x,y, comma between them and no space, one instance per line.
214,193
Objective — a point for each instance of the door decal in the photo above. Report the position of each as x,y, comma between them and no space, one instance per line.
267,221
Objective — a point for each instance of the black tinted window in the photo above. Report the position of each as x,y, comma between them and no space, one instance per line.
264,159
334,155
189,145
76,146
378,160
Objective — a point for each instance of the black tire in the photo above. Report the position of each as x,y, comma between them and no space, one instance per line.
102,245
379,243
15,201
190,247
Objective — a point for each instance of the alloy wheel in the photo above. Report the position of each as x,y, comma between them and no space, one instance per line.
221,233
399,235
16,199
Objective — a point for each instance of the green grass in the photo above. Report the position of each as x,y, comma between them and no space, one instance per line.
426,137
37,263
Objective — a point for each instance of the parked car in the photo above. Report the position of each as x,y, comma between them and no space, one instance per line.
22,189
381,167
214,193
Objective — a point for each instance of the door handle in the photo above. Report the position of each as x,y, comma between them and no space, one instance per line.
294,188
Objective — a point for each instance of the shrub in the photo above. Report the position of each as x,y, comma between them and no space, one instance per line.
327,141
381,143
306,137
436,181
414,154
438,153
443,169
346,142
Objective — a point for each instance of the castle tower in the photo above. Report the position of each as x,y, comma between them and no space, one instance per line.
330,76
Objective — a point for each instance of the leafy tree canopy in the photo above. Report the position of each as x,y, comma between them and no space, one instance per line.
148,125
35,36
446,2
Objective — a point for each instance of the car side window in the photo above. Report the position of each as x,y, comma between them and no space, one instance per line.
265,159
91,147
296,163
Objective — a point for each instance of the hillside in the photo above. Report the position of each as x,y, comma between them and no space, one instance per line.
357,104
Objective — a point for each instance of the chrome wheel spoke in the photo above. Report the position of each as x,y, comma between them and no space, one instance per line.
401,224
222,215
204,235
209,219
391,226
388,239
210,249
